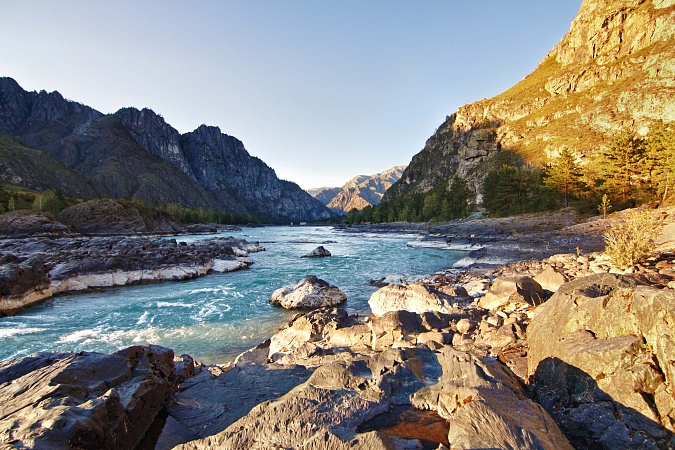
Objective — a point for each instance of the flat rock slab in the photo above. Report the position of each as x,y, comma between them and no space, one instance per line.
83,400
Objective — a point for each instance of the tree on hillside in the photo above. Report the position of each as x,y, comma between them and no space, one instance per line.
622,165
660,158
564,175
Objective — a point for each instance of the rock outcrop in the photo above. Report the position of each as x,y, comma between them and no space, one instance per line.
601,354
345,397
23,284
84,400
359,192
308,293
612,70
136,154
79,264
108,217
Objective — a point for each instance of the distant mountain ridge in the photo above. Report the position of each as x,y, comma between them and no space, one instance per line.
359,192
135,153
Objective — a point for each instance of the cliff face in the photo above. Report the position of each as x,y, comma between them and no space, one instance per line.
614,69
360,191
137,154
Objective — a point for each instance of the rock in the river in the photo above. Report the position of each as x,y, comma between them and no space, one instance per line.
416,297
601,361
23,284
308,293
318,252
84,400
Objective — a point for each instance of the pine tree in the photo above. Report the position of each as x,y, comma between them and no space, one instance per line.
660,161
623,163
564,175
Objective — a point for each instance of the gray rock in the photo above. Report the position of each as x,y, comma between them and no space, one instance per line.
308,293
318,252
23,284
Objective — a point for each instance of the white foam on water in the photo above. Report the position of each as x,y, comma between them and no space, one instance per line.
174,304
77,336
9,332
144,318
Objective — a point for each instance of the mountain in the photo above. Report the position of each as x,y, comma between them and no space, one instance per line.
136,154
359,192
614,69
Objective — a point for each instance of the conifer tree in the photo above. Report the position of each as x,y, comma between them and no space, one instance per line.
660,160
623,163
564,175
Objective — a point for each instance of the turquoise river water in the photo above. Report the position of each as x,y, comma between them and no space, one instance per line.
215,317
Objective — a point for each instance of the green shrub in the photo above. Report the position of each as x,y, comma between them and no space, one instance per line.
631,241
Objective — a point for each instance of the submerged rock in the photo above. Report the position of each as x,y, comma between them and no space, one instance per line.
308,293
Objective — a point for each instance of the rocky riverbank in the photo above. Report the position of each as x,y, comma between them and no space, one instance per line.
564,351
34,269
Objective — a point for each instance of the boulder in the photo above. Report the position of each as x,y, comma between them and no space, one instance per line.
550,279
485,406
512,290
601,362
308,293
317,253
84,400
416,297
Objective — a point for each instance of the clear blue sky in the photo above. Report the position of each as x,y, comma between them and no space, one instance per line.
320,90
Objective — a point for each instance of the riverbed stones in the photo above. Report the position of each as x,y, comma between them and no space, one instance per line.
416,297
83,400
319,252
601,361
308,293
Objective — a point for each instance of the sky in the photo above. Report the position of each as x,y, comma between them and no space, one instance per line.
320,90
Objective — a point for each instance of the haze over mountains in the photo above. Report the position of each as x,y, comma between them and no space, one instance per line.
54,143
359,192
614,69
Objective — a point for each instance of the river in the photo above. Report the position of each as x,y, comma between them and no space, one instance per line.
216,317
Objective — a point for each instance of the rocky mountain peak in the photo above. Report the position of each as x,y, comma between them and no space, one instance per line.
360,191
156,136
135,153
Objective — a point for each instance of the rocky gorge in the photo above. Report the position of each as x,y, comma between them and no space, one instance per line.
560,351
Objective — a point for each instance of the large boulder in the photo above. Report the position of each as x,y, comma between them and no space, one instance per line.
84,400
308,293
601,354
512,290
417,298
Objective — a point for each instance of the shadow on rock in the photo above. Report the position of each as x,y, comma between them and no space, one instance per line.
591,418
